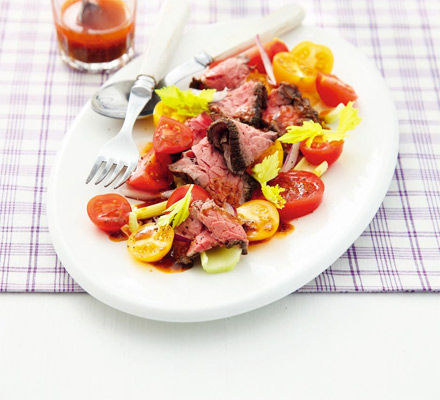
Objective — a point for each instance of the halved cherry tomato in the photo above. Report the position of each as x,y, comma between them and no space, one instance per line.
301,65
109,212
317,56
151,242
287,68
197,193
303,194
171,136
273,47
152,173
261,217
321,150
333,91
277,148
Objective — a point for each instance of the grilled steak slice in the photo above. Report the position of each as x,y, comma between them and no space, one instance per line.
199,126
202,242
239,143
208,226
230,74
185,234
286,106
244,103
221,228
192,226
206,167
225,227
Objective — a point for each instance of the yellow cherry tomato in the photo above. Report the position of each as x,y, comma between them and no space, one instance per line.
261,216
287,68
258,77
277,148
161,109
317,56
151,242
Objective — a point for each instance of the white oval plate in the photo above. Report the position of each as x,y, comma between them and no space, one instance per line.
355,188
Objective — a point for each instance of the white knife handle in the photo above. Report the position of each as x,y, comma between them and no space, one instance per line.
276,23
166,34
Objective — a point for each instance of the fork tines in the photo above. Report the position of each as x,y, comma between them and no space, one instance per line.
111,169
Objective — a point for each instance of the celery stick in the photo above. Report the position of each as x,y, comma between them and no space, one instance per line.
133,224
220,259
151,211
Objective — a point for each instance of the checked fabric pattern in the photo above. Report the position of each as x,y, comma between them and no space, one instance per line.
40,97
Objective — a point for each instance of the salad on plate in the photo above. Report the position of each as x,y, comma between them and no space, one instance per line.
234,159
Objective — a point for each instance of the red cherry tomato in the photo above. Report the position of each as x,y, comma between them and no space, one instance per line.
333,91
303,194
109,212
171,136
197,193
273,47
320,151
152,173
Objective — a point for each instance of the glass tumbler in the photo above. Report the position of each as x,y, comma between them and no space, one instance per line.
95,35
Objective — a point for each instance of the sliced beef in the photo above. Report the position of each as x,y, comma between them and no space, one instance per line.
192,226
184,234
244,103
219,228
206,167
230,74
199,126
286,106
225,227
205,240
239,143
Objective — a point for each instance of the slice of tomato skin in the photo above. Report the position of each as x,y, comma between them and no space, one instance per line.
334,91
109,212
303,194
152,173
171,136
197,193
321,151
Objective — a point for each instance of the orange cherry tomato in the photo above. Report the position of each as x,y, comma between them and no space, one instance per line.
317,56
301,65
287,68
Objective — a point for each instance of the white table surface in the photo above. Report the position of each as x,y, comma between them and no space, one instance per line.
306,346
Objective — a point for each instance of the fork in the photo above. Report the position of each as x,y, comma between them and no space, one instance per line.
119,156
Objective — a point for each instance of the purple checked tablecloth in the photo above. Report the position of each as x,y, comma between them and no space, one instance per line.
40,97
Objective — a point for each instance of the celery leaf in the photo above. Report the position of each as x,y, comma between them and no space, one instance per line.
267,169
272,194
185,102
177,212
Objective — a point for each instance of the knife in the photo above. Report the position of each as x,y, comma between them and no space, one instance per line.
111,100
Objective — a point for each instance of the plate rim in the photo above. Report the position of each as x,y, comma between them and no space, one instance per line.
253,300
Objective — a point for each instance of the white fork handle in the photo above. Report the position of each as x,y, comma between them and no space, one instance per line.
167,32
276,23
